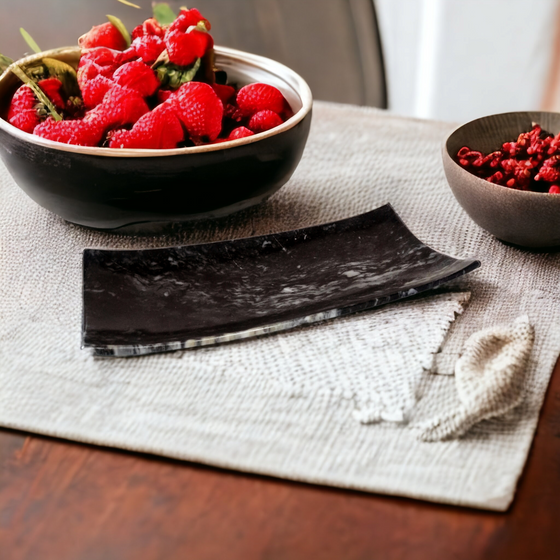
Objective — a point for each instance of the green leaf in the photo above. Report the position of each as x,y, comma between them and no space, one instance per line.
65,73
189,75
163,13
41,96
29,40
4,62
120,26
173,76
127,3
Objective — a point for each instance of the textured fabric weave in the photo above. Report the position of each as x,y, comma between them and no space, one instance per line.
283,405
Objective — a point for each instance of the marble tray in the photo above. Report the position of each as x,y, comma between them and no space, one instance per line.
156,300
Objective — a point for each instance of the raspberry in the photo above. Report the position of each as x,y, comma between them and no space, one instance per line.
148,47
150,28
184,48
79,133
188,18
94,91
137,76
121,106
104,35
254,98
240,132
264,120
23,110
160,129
554,189
225,93
51,87
200,110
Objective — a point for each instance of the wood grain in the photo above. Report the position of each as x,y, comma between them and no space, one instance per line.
60,500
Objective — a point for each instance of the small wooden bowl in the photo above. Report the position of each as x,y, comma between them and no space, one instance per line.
524,218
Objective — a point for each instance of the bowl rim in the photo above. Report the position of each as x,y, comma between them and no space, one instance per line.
483,182
284,72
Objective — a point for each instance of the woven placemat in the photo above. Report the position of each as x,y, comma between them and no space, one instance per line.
285,405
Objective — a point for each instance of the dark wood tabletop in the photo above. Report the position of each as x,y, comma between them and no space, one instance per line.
62,500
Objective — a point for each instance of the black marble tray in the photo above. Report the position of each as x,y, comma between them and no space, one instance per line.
155,300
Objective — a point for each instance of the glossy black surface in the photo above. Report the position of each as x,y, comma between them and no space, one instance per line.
111,192
143,301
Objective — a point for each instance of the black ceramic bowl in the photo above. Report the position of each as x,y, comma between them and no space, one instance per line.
108,189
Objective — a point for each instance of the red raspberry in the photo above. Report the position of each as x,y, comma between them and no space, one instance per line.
23,110
225,93
160,129
260,97
148,47
200,110
184,48
554,189
104,35
51,87
94,91
137,76
78,133
264,120
188,18
240,132
121,106
150,28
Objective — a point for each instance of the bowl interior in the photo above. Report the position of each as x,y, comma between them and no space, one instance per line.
487,134
242,68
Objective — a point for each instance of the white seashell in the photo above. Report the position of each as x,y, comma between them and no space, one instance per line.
489,377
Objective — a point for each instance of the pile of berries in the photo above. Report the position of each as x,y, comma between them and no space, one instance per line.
157,89
532,163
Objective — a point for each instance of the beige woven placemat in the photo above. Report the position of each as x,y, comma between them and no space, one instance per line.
286,405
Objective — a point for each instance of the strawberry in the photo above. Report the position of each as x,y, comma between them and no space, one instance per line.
225,93
93,91
23,110
160,129
78,133
104,35
188,18
164,95
121,106
103,56
240,132
264,120
150,28
200,110
137,76
184,48
51,87
90,70
148,47
260,97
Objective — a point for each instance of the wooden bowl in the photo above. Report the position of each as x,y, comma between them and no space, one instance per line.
107,188
524,218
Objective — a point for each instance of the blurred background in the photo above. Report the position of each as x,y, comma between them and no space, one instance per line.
451,60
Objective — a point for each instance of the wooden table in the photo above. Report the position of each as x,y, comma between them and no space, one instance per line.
61,500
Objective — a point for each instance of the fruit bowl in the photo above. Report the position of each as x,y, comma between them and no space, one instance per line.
108,189
524,218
